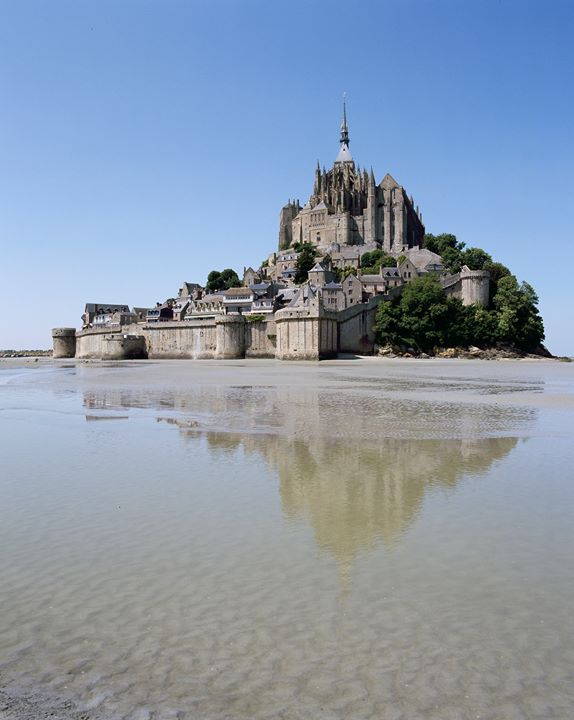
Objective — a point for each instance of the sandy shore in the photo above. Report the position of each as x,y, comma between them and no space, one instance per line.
36,707
266,657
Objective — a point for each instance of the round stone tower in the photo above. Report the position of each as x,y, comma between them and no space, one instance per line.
64,342
230,337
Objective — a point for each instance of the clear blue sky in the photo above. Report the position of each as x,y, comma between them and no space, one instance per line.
145,143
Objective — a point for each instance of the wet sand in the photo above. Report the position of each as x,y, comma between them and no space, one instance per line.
360,538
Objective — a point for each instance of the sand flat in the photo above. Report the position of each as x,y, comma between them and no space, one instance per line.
255,539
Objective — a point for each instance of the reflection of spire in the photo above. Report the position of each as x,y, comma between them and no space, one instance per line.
356,497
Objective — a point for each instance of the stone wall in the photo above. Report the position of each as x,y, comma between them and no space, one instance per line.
230,337
64,342
294,334
470,286
306,334
193,339
356,323
260,339
106,344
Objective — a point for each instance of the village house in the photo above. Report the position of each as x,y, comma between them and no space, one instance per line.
238,300
207,305
140,313
180,308
408,270
162,312
352,289
320,274
265,296
250,277
190,290
286,265
101,313
332,296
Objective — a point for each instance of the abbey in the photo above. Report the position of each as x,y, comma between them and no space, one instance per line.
347,207
282,310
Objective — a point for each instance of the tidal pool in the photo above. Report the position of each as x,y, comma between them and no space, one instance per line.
253,540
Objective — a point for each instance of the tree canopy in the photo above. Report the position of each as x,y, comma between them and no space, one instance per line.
425,318
223,280
371,261
305,261
341,273
517,318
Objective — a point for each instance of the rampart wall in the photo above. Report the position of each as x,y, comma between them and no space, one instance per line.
260,339
356,327
195,339
293,334
124,343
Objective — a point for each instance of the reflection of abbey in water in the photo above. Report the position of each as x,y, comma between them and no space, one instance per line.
353,485
355,497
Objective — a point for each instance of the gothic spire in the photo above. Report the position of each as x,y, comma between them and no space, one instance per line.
344,155
344,129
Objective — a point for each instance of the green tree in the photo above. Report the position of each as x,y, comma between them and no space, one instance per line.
475,258
371,261
305,261
422,317
223,280
497,271
341,273
518,321
448,247
439,243
480,326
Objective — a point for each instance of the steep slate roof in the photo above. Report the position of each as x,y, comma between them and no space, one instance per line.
260,287
389,182
344,154
238,292
288,293
191,286
332,286
423,257
103,307
303,296
211,297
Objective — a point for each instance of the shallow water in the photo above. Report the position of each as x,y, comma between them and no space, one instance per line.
360,539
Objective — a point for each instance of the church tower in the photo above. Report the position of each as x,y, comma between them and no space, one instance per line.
347,207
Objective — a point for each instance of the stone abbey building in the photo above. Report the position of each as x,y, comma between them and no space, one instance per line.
272,315
347,207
